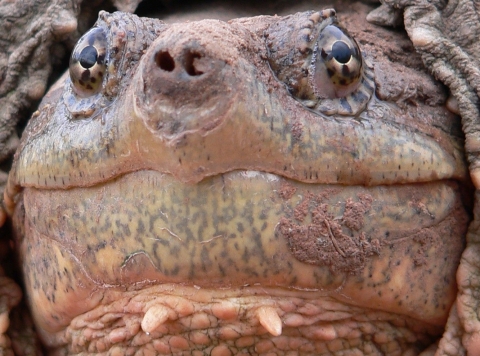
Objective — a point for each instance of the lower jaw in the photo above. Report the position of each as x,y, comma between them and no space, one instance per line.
395,249
175,319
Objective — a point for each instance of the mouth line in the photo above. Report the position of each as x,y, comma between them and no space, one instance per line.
245,217
254,228
275,176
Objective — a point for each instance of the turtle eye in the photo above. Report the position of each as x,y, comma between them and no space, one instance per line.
336,66
320,64
88,63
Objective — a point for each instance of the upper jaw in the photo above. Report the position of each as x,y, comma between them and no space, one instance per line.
231,113
272,133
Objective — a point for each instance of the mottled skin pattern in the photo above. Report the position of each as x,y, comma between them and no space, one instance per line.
35,37
226,321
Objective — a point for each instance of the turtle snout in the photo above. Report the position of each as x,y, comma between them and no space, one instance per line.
183,86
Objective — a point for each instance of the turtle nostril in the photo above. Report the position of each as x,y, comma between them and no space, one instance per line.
165,61
189,64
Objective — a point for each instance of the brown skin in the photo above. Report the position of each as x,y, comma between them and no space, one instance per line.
445,34
377,275
37,38
349,284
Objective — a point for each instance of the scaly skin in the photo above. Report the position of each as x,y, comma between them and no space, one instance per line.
194,204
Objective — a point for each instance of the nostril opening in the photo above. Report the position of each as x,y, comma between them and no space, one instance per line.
190,67
165,61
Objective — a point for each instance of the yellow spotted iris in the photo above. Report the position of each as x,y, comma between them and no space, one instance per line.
88,63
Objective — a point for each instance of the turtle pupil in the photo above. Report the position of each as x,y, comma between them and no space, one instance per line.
88,57
341,52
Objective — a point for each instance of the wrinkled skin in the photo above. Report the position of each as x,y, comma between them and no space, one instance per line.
37,37
446,36
155,312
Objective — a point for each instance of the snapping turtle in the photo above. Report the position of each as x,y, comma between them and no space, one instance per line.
246,187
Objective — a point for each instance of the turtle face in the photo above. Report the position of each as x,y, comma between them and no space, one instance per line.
235,187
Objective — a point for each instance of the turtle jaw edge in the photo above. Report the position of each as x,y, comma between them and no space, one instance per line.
356,244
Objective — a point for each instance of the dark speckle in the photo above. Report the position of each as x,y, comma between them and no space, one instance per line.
324,54
240,227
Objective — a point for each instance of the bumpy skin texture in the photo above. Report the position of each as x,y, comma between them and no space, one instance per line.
36,37
30,29
203,210
29,48
446,35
